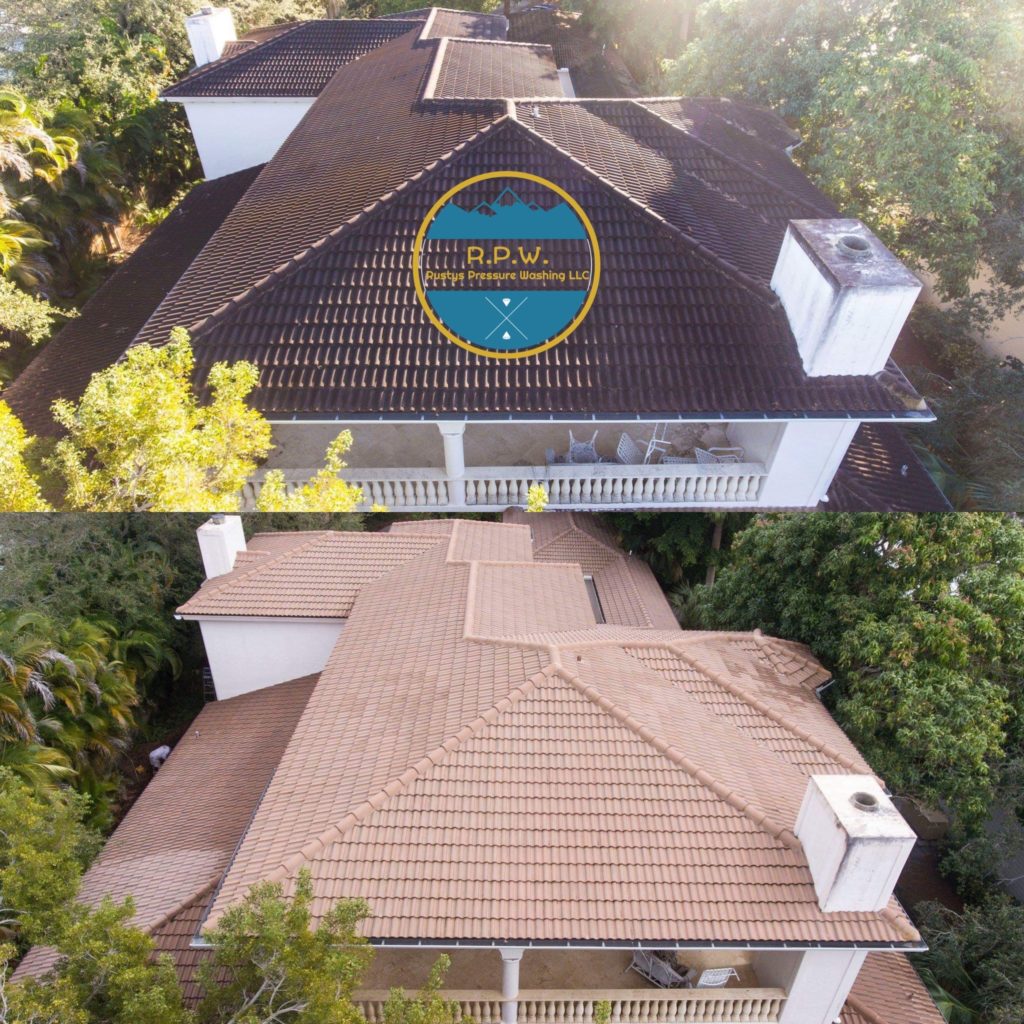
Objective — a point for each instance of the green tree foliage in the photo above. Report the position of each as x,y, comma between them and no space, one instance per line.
910,114
921,619
325,492
68,694
679,548
978,438
271,963
140,440
975,960
19,489
644,31
43,848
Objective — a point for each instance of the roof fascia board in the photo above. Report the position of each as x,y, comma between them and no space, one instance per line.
185,100
598,944
913,415
235,617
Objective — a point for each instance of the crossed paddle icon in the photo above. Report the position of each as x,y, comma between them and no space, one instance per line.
506,318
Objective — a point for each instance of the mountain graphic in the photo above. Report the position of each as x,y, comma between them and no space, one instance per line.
507,217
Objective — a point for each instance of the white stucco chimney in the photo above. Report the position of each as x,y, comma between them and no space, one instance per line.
221,538
846,296
208,32
855,841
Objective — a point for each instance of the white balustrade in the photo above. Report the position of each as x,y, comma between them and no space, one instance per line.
628,1006
605,485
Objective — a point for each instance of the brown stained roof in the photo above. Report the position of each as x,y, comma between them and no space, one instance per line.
174,938
626,586
307,191
720,202
319,575
502,70
881,471
295,62
465,24
176,841
114,315
658,792
340,332
889,991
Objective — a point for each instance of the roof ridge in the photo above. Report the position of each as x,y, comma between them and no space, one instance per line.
293,263
748,808
222,62
639,101
738,276
399,783
760,706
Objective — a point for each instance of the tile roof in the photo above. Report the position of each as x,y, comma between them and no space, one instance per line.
114,315
338,332
881,471
305,194
499,709
465,24
295,62
318,575
626,586
300,58
889,991
309,275
176,841
486,70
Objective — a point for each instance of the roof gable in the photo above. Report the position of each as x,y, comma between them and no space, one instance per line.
339,331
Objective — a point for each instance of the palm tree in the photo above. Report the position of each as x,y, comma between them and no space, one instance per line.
68,696
28,152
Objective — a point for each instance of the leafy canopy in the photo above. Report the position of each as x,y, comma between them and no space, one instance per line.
19,489
920,618
139,440
909,112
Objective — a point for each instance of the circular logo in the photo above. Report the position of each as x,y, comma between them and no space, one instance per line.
506,264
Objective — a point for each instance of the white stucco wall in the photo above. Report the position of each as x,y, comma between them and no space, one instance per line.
250,654
232,134
804,461
817,981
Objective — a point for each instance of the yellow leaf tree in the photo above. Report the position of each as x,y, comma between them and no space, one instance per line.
140,439
325,492
19,490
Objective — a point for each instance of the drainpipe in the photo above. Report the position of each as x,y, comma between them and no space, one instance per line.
510,957
454,459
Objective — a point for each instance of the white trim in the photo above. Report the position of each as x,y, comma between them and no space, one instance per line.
435,68
210,617
583,417
236,99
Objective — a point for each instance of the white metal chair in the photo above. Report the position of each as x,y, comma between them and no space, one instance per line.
657,971
714,456
581,452
715,977
628,452
659,443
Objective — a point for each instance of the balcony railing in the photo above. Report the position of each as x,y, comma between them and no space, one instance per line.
605,485
628,1006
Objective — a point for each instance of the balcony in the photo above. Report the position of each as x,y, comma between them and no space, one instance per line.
488,467
564,986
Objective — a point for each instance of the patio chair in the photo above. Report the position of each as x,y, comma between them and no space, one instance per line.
716,456
658,444
656,971
628,452
676,459
581,452
715,977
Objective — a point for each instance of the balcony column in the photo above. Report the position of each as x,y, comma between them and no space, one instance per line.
452,433
510,957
